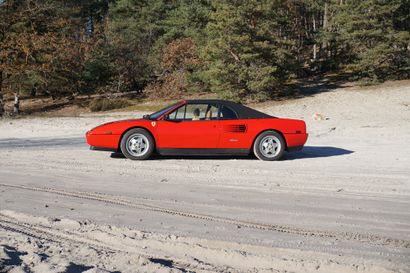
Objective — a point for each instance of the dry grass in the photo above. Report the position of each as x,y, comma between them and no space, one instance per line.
104,104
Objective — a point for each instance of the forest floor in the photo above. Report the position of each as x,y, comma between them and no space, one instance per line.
340,205
45,106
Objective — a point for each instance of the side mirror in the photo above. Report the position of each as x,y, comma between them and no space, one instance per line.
146,116
166,117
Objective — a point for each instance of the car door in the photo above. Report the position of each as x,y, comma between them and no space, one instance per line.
233,130
184,129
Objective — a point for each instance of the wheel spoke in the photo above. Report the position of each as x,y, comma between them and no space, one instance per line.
270,146
138,144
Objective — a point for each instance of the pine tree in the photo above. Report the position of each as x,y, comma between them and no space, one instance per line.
133,29
366,33
246,59
183,36
241,49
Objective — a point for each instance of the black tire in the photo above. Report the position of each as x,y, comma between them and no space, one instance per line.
131,152
262,153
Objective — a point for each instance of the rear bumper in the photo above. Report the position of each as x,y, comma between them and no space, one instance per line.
295,142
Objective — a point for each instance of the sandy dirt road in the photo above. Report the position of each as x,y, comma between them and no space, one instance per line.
340,205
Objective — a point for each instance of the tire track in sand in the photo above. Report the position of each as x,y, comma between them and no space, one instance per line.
47,233
115,200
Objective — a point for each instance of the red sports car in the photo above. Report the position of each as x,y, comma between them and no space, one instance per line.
201,127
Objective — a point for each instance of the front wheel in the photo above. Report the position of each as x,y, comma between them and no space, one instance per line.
269,146
137,144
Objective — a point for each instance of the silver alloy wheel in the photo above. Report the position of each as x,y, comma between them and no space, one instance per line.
137,145
270,146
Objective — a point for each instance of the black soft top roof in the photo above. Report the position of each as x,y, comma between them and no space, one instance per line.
242,111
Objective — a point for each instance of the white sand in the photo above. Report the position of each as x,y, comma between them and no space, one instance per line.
341,205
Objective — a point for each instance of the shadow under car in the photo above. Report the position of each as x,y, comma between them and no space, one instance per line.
306,152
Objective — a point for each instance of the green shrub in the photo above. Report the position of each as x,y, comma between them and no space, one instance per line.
97,105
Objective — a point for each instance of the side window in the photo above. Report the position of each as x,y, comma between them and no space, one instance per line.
178,114
195,112
227,113
211,112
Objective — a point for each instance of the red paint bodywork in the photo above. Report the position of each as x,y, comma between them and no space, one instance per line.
229,134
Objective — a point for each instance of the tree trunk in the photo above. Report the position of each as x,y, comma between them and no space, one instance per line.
1,94
33,92
16,104
325,23
314,35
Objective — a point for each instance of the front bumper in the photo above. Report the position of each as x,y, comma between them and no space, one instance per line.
103,142
93,148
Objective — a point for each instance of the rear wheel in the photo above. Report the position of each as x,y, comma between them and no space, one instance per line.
137,144
269,146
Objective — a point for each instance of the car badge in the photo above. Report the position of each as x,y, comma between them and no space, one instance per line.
153,123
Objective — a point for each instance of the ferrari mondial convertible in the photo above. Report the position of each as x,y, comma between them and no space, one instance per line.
201,127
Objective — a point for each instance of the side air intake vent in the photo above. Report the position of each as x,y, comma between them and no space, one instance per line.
237,128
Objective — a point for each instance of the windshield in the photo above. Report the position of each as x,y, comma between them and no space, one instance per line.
156,115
